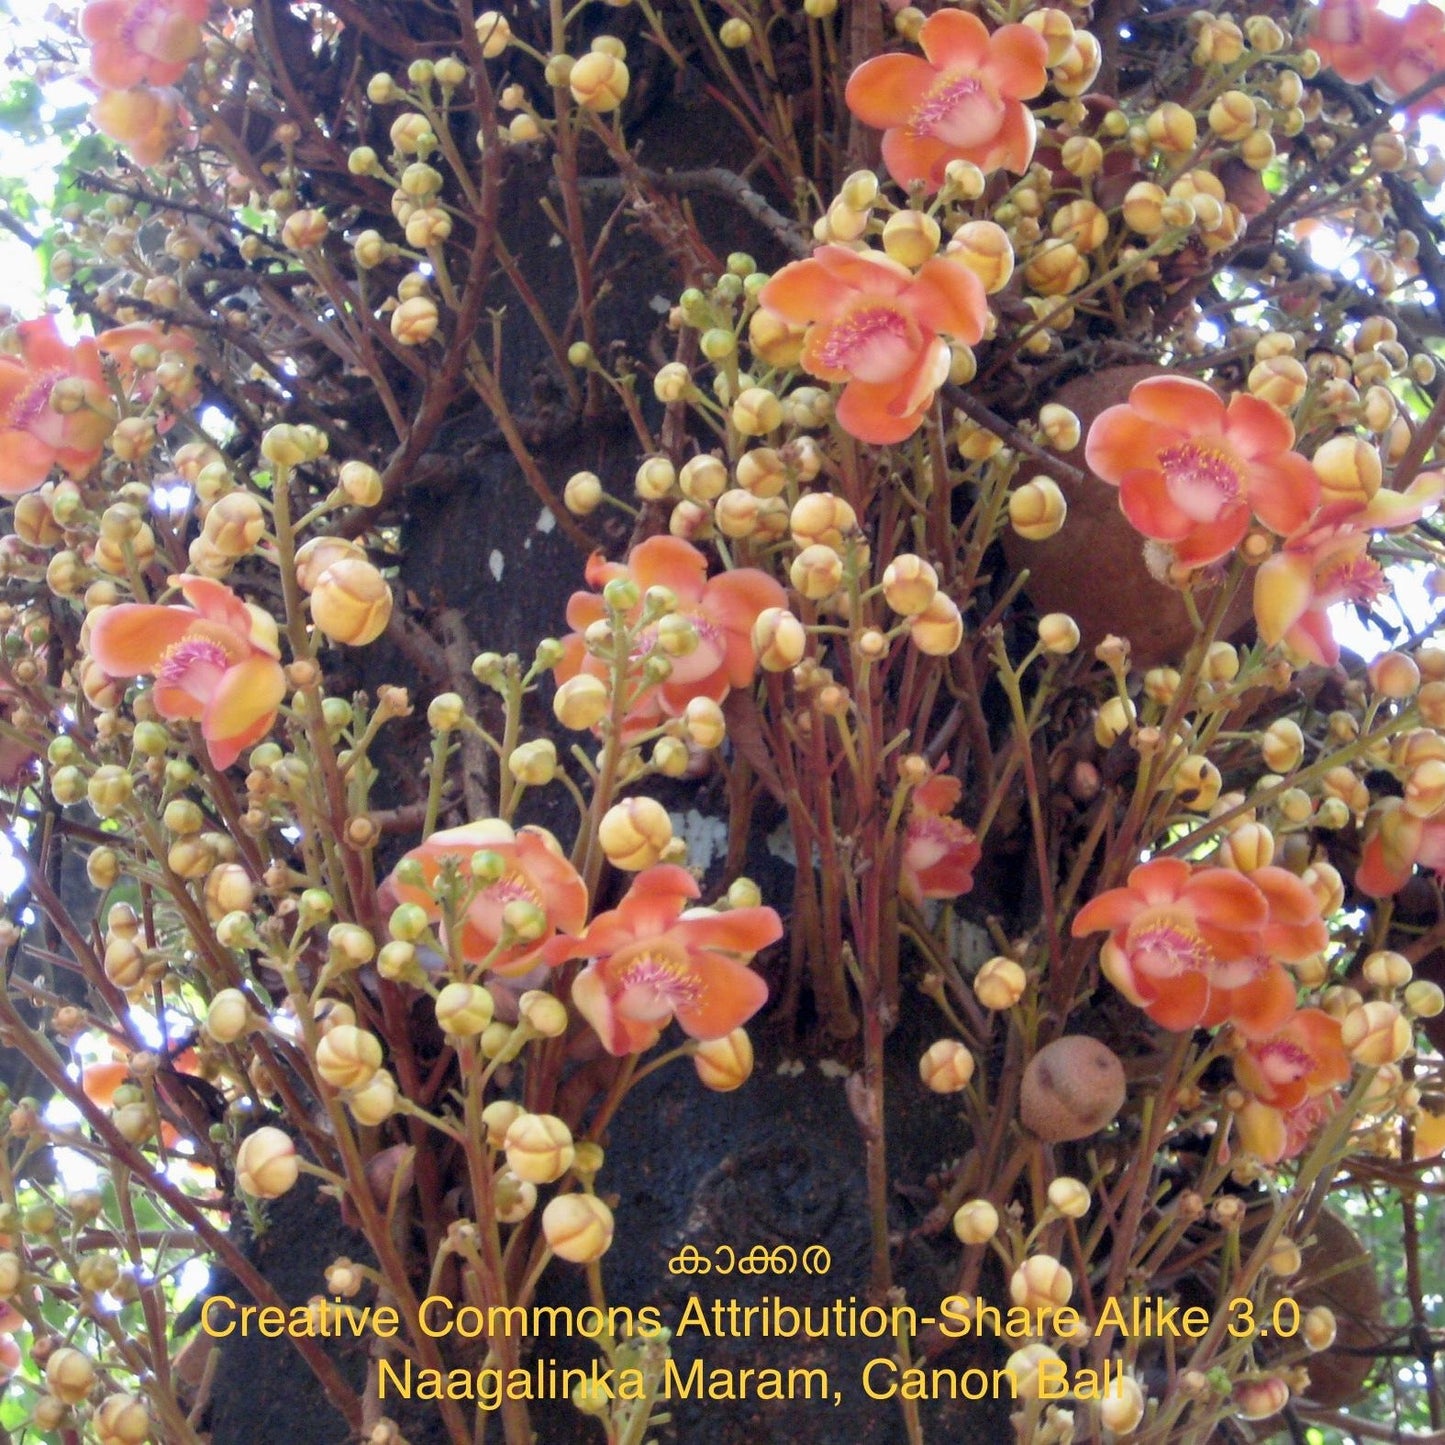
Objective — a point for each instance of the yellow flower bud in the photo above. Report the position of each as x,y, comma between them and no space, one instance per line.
634,833
975,1222
581,702
724,1064
1247,847
779,639
984,247
1057,30
534,763
1113,720
415,320
1037,509
1350,470
539,1148
946,1066
266,1163
1282,745
1075,73
911,237
229,1016
599,81
545,1013
1319,1328
315,556
1197,783
69,1375
1069,1196
1172,129
304,230
375,1102
494,32
756,412
351,602
909,584
1394,675
1000,983
824,518
1233,115
937,631
1056,268
578,1227
1375,1033
1041,1282
348,1057
1122,1407
464,1009
816,572
122,1420
1259,1399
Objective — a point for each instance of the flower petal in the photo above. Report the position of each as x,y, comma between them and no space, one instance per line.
911,156
882,92
1283,589
1180,402
737,930
955,40
1017,57
1120,440
242,708
1284,491
668,561
132,637
730,994
948,298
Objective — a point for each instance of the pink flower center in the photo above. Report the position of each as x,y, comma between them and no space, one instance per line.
1351,577
33,403
1166,948
194,665
961,109
1202,480
874,343
1281,1060
655,981
511,887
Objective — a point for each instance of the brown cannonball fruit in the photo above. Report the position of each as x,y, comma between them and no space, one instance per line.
1071,1089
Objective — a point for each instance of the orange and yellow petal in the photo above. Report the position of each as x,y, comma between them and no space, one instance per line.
132,638
948,298
883,91
1017,61
804,292
1284,491
737,930
912,155
955,40
668,561
1180,402
25,462
1121,440
243,707
729,994
1284,587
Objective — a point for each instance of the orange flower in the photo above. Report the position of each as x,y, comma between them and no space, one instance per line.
34,436
1329,562
1190,470
215,661
722,611
137,41
1351,36
1410,53
876,326
1395,841
964,102
1189,944
1300,1060
939,852
146,122
651,961
534,870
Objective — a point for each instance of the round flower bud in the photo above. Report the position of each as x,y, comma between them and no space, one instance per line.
583,493
946,1066
494,33
234,524
1000,983
1058,633
816,572
1388,970
578,1227
315,556
911,237
415,321
702,478
1247,847
361,483
375,1102
756,412
779,639
347,1057
1319,1328
938,629
229,1016
1070,1197
1284,1259
463,1010
1259,1399
351,602
984,247
581,702
544,1013
1172,128
1394,675
635,833
1424,998
703,721
539,1148
534,763
1122,1407
1282,745
1375,1033
69,1375
724,1064
1026,1366
266,1163
122,1420
909,584
1041,1282
1037,509
498,1117
975,1222
513,1199
599,81
1071,1088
